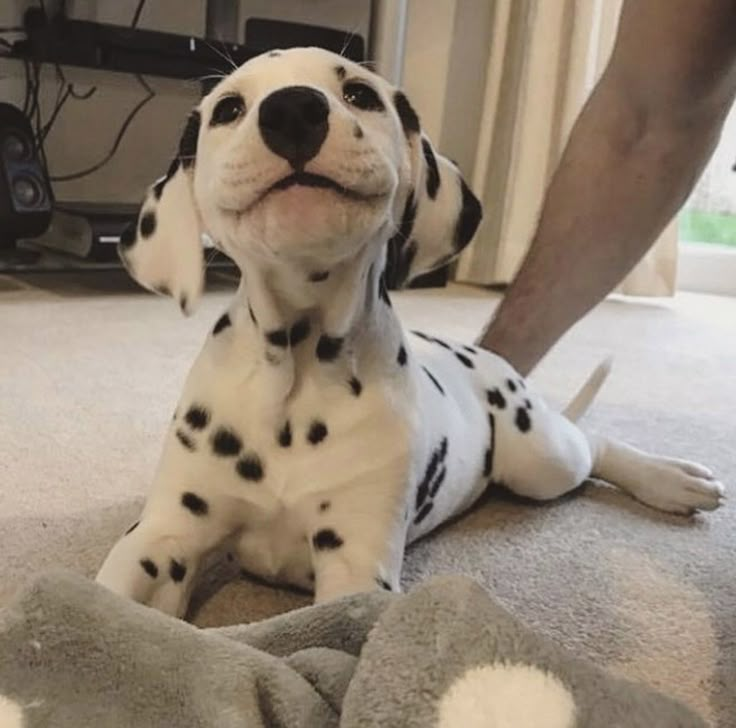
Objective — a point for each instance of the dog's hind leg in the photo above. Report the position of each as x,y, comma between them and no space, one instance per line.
540,453
669,484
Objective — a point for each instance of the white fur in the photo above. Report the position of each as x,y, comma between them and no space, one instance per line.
400,456
507,696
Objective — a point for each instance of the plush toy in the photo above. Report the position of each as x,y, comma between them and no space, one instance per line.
74,655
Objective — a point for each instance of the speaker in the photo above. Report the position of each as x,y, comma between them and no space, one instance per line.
26,199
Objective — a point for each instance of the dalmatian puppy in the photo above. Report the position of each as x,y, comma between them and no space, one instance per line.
314,435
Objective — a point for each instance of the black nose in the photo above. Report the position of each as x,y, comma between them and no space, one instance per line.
293,122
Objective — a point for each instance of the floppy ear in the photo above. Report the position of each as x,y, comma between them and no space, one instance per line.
440,215
163,250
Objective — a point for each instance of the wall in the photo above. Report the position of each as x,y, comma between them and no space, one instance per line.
442,76
447,47
85,130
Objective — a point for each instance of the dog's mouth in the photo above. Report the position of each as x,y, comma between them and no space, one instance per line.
319,181
315,181
308,179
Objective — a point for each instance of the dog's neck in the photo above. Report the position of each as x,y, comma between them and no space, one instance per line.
303,317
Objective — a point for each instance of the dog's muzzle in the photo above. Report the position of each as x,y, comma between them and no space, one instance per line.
293,123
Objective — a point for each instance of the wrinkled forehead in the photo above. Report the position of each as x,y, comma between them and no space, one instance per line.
291,67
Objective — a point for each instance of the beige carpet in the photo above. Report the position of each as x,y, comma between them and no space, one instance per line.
90,371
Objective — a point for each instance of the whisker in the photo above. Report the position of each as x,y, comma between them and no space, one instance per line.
208,77
349,37
222,55
209,258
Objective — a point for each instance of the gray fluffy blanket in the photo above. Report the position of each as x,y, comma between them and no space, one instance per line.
73,655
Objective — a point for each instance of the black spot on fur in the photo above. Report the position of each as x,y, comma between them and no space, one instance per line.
132,528
278,337
328,347
511,385
427,485
522,383
464,360
383,584
433,172
434,380
127,237
183,304
252,315
382,290
285,435
185,440
177,571
423,512
319,275
403,263
522,420
149,567
407,115
469,218
437,482
326,540
158,188
495,398
197,417
441,343
299,331
188,141
341,72
195,504
422,335
401,356
226,443
355,386
311,576
398,259
274,54
488,463
470,350
317,432
173,168
358,132
250,468
324,506
222,323
148,224
527,404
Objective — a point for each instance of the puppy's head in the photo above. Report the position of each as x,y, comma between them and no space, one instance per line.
300,157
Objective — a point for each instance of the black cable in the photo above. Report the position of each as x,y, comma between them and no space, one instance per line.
65,91
150,93
57,109
27,96
137,15
81,97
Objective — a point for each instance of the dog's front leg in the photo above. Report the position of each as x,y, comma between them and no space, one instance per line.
155,562
357,546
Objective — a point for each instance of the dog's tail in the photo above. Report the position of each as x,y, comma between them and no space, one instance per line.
583,399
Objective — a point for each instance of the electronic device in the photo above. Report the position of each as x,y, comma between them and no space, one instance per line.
26,200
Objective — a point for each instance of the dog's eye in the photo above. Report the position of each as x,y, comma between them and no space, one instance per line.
227,110
362,96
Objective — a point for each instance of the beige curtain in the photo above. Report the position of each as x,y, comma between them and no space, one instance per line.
545,57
